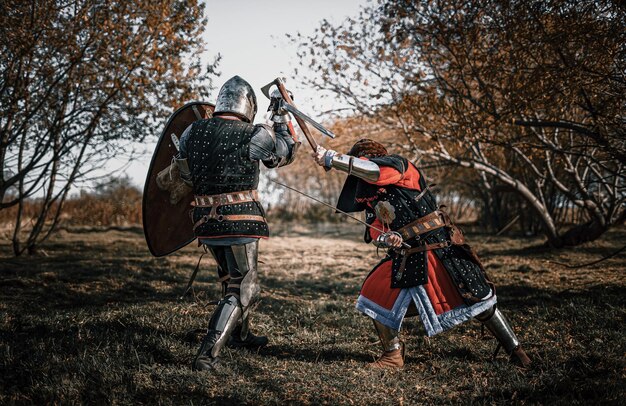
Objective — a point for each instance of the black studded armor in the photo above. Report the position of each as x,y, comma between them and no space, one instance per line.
359,195
217,151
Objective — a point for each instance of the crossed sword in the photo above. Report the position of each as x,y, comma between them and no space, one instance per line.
301,118
287,104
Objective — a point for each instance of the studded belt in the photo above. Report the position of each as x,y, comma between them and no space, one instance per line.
215,201
423,225
229,217
225,198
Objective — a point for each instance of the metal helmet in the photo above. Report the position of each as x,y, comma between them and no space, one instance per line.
237,97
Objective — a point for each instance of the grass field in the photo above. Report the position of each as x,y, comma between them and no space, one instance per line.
96,320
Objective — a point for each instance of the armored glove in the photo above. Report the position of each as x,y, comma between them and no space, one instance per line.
324,157
391,239
279,115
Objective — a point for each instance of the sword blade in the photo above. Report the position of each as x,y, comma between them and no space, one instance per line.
306,118
335,208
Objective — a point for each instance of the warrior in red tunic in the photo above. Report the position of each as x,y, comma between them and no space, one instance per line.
429,270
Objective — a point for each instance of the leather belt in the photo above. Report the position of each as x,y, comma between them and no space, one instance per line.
426,247
406,253
229,217
225,198
215,201
423,225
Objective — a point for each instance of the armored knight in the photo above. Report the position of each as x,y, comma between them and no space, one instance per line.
429,269
219,158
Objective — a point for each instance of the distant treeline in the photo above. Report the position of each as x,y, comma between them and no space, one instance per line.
117,202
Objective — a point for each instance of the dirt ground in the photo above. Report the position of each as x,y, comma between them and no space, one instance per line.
95,319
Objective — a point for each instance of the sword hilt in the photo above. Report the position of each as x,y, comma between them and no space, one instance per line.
305,130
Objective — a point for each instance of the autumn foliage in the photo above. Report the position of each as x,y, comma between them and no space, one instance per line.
112,203
80,81
525,99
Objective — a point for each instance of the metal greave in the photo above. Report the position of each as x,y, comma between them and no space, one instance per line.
242,290
246,256
499,326
389,338
223,321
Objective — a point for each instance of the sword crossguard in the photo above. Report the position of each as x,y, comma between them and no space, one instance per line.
289,101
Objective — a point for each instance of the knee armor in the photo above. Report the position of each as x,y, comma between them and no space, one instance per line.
246,257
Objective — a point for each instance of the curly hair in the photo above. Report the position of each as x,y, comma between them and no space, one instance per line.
368,148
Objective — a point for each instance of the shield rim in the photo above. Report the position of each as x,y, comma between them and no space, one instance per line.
162,137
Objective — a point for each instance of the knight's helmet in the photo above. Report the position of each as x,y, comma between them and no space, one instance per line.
237,97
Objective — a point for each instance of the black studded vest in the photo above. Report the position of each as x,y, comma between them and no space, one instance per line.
217,152
396,207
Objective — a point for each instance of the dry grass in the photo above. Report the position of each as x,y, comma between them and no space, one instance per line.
95,319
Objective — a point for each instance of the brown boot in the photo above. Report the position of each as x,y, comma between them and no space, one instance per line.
390,359
519,356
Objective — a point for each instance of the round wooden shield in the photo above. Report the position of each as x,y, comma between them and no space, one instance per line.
166,223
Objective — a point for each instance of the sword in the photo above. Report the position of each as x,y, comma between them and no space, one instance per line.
285,95
290,108
405,245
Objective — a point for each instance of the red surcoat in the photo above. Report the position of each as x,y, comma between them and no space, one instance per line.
377,287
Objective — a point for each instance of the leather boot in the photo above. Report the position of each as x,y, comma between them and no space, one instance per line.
390,359
251,341
243,338
393,348
519,356
204,361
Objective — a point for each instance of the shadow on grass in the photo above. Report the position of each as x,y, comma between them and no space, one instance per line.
312,354
524,296
102,324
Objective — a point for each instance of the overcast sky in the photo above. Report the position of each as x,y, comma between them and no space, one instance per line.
250,36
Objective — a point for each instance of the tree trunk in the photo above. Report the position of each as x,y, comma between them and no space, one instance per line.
518,186
582,233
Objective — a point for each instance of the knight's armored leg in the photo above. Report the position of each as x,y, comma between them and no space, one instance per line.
222,267
499,326
222,323
393,348
224,278
242,290
243,338
249,291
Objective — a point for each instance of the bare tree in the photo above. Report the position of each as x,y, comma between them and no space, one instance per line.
528,94
79,81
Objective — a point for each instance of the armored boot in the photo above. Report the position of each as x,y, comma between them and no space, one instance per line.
241,291
221,325
499,326
393,348
243,338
